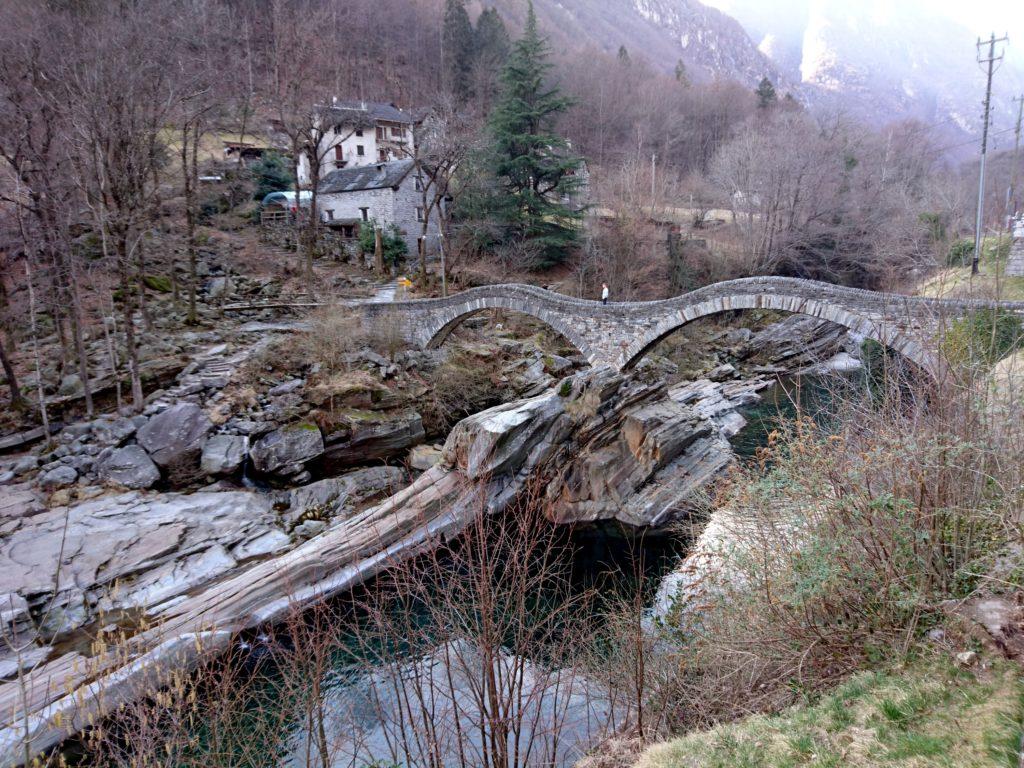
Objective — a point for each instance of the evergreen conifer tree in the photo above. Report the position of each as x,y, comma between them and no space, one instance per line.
457,46
490,52
535,166
681,75
766,96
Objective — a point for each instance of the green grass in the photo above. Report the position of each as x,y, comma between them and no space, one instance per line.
929,713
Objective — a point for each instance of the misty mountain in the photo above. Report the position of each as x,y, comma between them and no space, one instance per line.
879,61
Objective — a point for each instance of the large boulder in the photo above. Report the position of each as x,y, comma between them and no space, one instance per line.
223,454
370,435
129,466
335,495
176,435
287,448
58,477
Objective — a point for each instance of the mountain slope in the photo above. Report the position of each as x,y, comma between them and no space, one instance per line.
710,43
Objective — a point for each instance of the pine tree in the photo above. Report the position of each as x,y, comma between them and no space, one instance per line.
534,164
457,49
490,52
624,56
766,96
681,75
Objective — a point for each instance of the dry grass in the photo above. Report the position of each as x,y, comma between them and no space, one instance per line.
930,713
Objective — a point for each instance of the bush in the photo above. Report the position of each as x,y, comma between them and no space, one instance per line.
982,338
392,242
272,173
960,253
837,551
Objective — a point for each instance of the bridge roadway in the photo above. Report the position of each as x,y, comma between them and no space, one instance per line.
620,333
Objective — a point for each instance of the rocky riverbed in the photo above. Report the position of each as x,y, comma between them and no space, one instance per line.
131,521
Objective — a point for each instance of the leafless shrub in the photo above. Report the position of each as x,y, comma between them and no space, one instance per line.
838,547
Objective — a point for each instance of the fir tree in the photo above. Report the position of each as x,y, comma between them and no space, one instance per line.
766,96
534,164
624,56
490,52
457,49
681,75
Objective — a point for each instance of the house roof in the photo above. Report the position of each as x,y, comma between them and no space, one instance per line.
362,177
367,111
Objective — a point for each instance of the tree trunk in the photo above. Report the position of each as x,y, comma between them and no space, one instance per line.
190,220
79,337
140,266
129,326
313,225
378,253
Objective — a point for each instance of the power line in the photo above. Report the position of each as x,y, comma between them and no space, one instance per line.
990,61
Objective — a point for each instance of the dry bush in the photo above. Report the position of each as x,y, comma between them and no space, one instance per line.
461,385
838,548
334,335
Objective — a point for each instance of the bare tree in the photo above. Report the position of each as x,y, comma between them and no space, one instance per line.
122,94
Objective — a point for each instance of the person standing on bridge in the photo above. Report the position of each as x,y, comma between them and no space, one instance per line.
604,293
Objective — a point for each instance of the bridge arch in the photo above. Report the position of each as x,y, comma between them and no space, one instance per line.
888,334
451,317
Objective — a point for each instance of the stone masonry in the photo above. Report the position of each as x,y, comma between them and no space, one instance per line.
620,333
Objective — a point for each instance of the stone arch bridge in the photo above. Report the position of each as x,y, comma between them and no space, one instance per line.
620,333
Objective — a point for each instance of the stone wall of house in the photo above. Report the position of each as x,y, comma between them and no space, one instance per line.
349,205
406,200
386,207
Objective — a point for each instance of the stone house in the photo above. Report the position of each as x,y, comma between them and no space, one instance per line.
384,193
361,133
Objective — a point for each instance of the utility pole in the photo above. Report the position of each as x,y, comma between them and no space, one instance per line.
990,61
1011,191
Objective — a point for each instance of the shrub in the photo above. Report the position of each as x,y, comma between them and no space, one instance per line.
982,338
272,173
839,549
392,243
960,253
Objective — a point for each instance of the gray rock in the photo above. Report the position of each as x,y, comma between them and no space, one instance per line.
129,466
176,435
218,286
286,387
290,445
223,454
7,477
423,457
70,386
327,498
67,613
58,477
381,435
309,529
25,464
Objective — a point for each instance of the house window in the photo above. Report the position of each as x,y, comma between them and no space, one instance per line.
380,133
397,132
421,215
382,155
329,213
359,131
360,150
364,214
339,153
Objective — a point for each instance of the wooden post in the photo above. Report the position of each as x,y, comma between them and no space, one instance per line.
421,246
378,252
